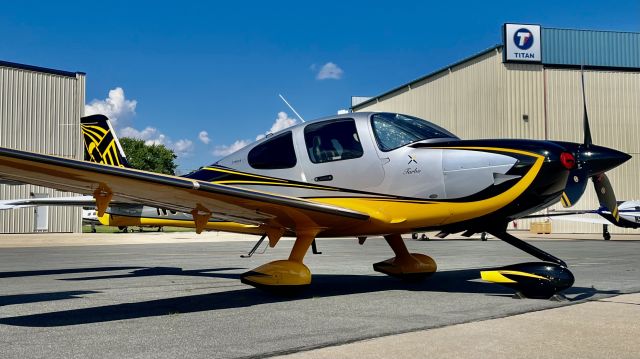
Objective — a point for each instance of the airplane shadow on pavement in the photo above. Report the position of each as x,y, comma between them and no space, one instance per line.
324,285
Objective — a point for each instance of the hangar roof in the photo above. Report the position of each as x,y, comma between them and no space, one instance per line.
594,49
591,48
39,69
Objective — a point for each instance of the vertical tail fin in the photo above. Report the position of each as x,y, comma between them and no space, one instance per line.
100,142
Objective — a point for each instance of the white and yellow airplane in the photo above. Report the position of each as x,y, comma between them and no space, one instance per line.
353,175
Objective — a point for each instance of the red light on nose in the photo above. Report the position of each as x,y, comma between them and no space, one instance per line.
567,159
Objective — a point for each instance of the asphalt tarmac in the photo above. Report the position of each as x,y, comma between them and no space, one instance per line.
167,300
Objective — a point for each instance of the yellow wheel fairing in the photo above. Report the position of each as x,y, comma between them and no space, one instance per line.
409,266
278,273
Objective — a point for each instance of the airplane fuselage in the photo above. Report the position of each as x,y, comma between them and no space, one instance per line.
432,183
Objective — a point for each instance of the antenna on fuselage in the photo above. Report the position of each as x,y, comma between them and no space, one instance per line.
291,107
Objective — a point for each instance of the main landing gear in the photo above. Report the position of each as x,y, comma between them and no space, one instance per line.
405,265
288,275
541,280
531,280
292,275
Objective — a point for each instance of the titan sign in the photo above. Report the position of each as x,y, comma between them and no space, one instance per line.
522,43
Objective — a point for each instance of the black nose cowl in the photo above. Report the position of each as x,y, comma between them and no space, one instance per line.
598,159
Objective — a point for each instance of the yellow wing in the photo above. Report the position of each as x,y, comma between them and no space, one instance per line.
181,194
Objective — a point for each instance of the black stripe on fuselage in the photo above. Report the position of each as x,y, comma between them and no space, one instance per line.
217,173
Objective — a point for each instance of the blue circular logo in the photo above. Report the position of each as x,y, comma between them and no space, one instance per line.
523,39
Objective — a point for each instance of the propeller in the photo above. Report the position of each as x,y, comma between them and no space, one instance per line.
606,197
592,161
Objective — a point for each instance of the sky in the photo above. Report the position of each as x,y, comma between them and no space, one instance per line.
203,78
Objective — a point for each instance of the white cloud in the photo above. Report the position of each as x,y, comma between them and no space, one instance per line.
116,107
343,112
151,136
147,134
204,137
183,147
330,71
225,150
281,122
121,111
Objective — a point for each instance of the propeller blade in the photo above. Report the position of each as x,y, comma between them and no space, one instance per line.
606,197
587,129
576,184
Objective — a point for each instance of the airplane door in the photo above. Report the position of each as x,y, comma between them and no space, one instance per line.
339,153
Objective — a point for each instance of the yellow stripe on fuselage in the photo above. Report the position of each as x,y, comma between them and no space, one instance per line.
394,215
427,214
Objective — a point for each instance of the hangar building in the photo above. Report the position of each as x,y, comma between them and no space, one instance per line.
529,87
40,111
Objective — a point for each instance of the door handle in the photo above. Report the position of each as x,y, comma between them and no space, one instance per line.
324,178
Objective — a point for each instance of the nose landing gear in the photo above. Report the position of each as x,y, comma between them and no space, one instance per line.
540,280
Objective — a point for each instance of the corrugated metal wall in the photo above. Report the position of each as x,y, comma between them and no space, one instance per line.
613,105
485,98
590,48
40,112
482,98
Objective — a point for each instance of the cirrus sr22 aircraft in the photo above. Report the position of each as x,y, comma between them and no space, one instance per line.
356,175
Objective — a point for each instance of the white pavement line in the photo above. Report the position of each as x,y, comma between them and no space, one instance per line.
608,328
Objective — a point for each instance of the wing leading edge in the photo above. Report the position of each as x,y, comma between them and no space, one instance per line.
177,193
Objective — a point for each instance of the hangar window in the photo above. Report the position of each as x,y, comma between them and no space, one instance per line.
274,153
332,141
393,130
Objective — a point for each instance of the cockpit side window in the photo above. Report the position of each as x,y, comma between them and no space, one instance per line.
274,153
333,140
393,130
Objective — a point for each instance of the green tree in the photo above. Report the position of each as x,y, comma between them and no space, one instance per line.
153,158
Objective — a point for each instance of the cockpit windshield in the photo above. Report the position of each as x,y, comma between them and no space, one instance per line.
393,130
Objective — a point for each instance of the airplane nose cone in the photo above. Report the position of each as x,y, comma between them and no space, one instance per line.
600,159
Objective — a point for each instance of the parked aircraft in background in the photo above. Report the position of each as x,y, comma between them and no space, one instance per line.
89,216
628,213
358,175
